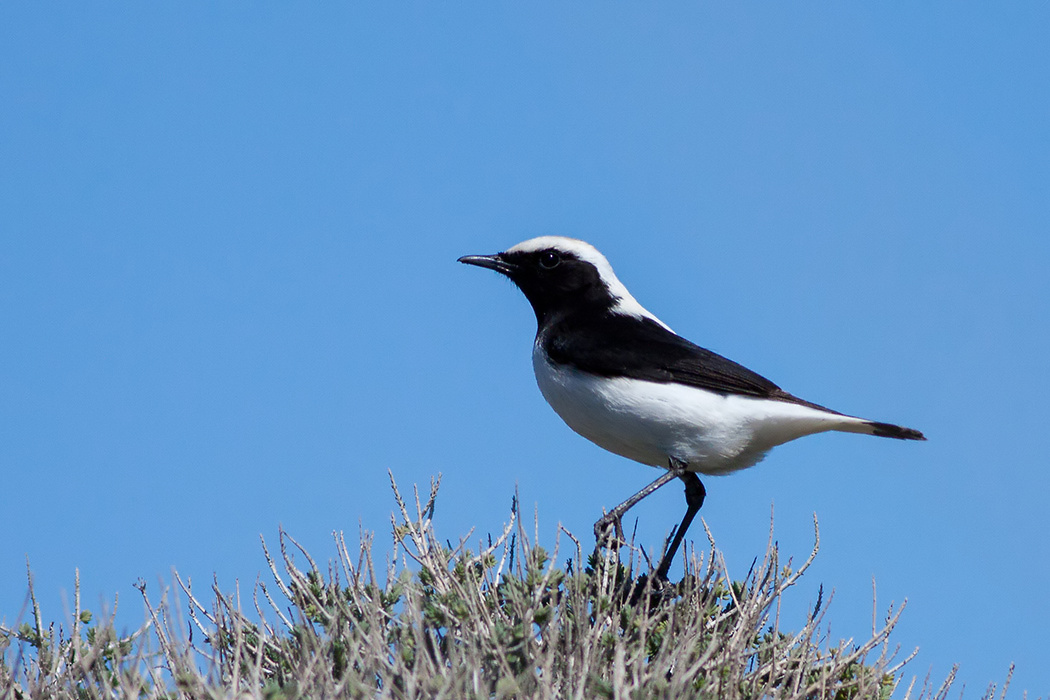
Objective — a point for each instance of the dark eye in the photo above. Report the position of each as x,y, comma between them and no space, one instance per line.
549,260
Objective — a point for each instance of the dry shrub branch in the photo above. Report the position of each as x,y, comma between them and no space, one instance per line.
443,621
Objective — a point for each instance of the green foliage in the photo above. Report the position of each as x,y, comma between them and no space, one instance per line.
444,622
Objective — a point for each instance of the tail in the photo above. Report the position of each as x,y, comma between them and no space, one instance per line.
852,424
894,431
870,427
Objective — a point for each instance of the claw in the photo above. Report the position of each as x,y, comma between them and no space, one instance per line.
608,529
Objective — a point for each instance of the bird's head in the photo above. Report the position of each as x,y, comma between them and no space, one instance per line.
558,275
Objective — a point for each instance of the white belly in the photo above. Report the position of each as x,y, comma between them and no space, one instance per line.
650,422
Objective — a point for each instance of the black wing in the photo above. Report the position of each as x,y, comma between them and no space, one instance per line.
615,345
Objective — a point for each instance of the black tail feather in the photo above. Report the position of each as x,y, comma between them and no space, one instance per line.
895,431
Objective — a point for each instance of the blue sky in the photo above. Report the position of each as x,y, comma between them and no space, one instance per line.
230,299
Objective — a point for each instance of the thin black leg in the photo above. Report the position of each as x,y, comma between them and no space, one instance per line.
694,499
614,516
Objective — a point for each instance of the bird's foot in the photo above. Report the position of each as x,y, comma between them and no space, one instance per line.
654,589
608,531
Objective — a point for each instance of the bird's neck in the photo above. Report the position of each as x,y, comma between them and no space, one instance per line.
566,315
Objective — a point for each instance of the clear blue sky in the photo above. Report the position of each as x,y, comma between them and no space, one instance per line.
229,295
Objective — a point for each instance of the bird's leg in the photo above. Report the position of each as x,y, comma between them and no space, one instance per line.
613,517
694,499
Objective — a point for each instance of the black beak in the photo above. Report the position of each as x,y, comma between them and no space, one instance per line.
492,262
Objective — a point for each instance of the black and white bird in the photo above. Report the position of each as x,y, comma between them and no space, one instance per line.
620,377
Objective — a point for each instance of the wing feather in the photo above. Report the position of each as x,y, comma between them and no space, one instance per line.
615,345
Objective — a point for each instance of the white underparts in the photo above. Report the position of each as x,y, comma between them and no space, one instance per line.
649,421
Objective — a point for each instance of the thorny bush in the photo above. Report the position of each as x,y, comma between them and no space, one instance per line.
448,622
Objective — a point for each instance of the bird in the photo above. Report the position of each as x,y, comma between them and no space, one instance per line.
620,377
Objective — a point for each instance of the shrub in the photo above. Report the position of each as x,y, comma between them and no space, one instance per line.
449,622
